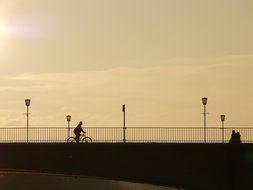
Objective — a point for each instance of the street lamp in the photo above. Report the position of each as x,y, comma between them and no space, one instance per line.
68,117
222,117
27,103
204,101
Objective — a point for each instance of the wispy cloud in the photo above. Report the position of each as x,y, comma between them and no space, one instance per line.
173,89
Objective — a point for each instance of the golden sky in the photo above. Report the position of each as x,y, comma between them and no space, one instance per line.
159,57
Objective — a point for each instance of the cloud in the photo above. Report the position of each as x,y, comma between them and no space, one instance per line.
153,93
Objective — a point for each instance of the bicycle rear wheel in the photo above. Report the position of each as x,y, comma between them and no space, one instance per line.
87,139
71,140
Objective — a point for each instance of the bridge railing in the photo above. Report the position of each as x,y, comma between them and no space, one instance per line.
186,134
133,134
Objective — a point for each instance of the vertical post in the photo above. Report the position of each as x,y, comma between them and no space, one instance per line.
124,123
68,130
27,122
27,103
222,131
204,101
222,126
205,123
68,117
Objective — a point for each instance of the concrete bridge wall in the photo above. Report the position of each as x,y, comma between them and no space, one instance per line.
194,166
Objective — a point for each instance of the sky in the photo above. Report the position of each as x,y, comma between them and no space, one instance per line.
87,58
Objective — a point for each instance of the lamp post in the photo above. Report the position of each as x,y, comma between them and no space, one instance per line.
204,101
222,117
68,117
27,103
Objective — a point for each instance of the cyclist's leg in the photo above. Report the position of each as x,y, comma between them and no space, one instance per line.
77,138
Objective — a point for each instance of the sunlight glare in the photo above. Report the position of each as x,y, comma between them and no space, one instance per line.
3,29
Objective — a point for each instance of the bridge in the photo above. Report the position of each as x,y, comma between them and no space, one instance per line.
174,157
195,166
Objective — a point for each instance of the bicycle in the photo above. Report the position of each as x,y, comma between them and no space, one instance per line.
83,138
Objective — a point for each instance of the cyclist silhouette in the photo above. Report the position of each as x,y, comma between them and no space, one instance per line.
78,131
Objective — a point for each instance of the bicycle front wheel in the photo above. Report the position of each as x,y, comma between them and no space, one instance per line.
87,139
71,140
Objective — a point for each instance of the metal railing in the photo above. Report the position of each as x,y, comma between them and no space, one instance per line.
133,134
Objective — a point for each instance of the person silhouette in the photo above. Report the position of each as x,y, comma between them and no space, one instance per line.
238,137
78,130
235,137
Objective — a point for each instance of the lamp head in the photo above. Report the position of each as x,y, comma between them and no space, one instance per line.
204,101
68,117
27,102
222,117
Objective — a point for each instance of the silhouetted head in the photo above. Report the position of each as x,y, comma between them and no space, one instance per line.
81,122
233,132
